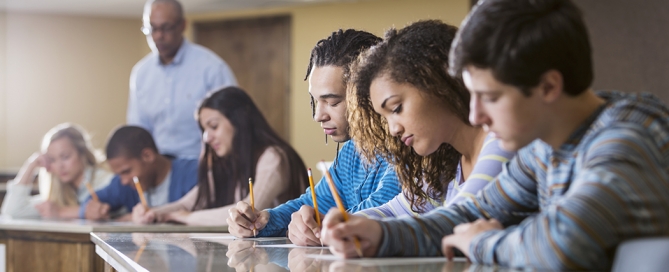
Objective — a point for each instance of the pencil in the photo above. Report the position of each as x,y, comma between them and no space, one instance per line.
92,192
313,198
140,192
139,252
340,205
253,209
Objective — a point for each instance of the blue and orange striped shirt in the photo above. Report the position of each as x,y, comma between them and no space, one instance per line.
567,208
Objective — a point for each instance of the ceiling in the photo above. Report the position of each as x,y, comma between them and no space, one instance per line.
133,8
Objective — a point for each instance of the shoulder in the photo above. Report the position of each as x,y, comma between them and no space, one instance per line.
145,63
272,155
102,177
202,54
184,165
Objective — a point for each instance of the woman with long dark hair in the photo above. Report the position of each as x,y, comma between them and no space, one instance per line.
239,144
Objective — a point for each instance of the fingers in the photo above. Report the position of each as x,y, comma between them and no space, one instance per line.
242,215
237,230
299,233
447,247
308,214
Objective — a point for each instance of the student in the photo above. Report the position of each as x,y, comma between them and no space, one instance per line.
67,164
240,145
421,124
591,168
360,185
131,152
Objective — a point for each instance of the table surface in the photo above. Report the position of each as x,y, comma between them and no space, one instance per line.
87,226
221,252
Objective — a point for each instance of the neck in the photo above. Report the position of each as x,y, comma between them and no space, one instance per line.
78,180
162,166
469,142
165,60
570,113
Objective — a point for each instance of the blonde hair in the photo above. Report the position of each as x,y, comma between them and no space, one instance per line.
51,186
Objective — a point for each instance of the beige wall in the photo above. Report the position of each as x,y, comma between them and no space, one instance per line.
3,91
312,23
63,69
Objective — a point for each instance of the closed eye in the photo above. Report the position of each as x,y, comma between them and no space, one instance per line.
397,109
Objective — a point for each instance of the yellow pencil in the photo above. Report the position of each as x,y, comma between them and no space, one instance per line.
340,205
253,209
313,197
139,252
140,192
92,192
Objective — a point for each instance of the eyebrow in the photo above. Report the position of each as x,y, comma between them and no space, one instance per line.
383,105
330,95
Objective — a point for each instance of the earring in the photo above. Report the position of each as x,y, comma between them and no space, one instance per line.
326,139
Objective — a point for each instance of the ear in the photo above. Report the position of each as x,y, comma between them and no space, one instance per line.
551,86
182,25
148,155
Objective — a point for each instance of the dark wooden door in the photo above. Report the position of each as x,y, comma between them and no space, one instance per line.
258,51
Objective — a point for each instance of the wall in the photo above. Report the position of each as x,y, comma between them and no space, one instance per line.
312,23
63,69
630,45
3,89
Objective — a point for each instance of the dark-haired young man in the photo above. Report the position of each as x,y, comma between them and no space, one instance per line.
591,168
131,152
360,186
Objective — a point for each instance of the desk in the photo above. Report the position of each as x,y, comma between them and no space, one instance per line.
43,245
205,252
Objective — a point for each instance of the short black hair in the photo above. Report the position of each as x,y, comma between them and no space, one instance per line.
519,40
129,141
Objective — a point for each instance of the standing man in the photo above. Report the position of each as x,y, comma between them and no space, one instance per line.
167,84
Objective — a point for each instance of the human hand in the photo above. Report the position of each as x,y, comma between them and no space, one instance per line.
339,234
463,235
96,210
303,229
141,215
243,255
242,220
48,209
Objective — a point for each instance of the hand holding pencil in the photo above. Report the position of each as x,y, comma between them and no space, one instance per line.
305,224
348,235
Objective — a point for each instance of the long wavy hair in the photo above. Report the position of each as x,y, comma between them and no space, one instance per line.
253,135
66,194
416,55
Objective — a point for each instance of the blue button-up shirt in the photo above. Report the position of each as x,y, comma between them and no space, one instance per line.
164,98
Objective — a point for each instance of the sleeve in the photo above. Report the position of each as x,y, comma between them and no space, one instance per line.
511,198
488,165
114,194
18,203
134,115
396,207
621,192
386,186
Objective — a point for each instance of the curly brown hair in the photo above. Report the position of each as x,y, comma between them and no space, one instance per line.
416,55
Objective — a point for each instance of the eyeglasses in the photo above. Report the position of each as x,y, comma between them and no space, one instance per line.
166,28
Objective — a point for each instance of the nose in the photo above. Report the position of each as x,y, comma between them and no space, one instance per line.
320,114
206,137
395,128
477,116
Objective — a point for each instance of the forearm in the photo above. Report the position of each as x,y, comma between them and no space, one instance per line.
280,217
418,236
209,217
70,212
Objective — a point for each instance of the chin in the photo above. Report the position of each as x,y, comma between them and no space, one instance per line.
340,138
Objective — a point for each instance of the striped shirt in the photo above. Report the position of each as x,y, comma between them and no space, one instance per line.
488,165
359,186
567,208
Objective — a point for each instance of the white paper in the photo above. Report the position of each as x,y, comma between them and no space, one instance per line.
232,237
385,261
291,246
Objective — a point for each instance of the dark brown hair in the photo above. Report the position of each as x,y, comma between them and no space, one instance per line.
416,55
253,135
